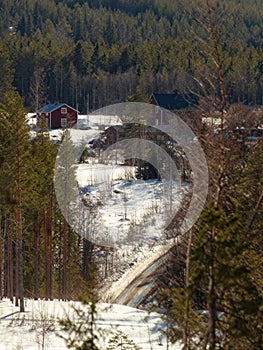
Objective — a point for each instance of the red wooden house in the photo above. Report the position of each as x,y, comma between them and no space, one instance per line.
58,115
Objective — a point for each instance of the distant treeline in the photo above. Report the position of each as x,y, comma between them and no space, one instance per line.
93,53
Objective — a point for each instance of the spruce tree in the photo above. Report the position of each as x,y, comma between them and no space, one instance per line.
218,244
245,299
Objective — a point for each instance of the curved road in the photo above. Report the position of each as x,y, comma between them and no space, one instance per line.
139,287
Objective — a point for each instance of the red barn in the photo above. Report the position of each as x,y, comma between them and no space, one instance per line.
58,115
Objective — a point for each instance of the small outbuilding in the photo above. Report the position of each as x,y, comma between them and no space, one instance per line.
58,115
113,134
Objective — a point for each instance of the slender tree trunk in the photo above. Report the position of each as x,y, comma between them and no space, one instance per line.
186,340
64,260
106,263
19,231
220,183
20,279
17,274
60,262
46,222
5,257
211,306
48,249
68,264
1,259
87,258
10,267
36,256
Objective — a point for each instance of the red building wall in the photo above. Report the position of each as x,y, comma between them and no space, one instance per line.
56,116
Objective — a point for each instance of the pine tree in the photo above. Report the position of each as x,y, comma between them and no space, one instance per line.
15,152
66,195
43,155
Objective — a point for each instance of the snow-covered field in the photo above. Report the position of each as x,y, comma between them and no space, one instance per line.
77,135
96,174
128,209
92,120
38,327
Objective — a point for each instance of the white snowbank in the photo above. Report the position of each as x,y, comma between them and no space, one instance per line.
29,330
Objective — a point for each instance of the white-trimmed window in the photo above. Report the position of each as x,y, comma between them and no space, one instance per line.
64,110
63,122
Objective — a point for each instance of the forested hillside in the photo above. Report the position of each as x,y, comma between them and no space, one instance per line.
93,53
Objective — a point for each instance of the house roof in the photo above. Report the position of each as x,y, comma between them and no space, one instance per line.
176,101
52,107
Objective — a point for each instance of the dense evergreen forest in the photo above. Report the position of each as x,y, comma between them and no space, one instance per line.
93,53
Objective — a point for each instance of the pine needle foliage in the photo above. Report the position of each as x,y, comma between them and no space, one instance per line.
121,341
